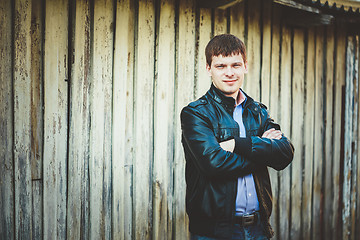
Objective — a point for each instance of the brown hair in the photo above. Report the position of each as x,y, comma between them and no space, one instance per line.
225,45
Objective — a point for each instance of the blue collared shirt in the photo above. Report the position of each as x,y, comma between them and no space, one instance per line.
246,198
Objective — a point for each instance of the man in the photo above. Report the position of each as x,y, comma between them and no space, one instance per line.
229,141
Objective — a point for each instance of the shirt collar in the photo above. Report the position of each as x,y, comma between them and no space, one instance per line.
242,97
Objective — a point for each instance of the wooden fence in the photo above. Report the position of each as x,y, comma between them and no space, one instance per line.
90,96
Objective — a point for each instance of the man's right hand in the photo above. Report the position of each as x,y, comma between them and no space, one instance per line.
272,134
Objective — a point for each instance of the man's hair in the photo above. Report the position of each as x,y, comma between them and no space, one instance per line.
225,45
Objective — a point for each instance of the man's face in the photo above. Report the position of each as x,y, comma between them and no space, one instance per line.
227,73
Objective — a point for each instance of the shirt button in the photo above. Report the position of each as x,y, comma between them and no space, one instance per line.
249,194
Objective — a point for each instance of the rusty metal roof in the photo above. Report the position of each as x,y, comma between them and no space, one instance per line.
351,6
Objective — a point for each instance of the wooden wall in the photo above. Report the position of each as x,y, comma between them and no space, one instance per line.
90,96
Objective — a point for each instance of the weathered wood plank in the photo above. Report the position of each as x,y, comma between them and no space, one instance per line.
36,88
319,141
357,218
220,21
297,131
354,140
55,119
163,123
101,121
144,125
79,123
308,136
348,138
338,128
123,105
37,210
22,119
203,80
266,53
37,120
285,120
329,140
274,108
237,21
252,81
184,86
7,220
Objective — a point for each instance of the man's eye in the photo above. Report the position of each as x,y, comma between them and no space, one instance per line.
237,65
220,66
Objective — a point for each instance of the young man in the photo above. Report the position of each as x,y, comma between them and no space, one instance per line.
229,141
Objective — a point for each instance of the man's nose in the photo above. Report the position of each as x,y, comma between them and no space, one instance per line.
229,71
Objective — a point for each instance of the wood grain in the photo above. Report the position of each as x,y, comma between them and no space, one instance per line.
101,121
184,93
7,211
163,124
309,136
123,121
78,171
144,125
55,119
22,119
297,125
203,79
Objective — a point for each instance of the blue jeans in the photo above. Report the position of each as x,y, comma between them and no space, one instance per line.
255,232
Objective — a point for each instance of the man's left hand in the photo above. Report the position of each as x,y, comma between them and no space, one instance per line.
228,145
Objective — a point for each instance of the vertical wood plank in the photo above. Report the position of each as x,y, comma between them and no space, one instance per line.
37,216
354,140
275,109
357,218
308,136
340,76
7,220
329,140
55,119
349,145
319,141
101,120
184,86
36,88
220,21
163,123
203,80
37,119
252,81
123,105
79,123
297,131
285,120
237,21
22,119
266,53
144,120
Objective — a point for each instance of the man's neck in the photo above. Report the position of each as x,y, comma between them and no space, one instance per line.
240,98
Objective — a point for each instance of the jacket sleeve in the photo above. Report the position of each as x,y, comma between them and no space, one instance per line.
274,153
200,142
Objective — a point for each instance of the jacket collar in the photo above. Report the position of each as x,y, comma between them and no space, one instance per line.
228,102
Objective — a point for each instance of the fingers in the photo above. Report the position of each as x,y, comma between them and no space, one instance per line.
228,145
272,134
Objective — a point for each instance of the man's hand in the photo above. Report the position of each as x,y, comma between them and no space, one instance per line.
228,145
272,134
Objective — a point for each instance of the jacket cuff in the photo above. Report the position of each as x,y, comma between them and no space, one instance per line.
243,146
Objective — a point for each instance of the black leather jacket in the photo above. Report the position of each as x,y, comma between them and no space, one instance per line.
211,173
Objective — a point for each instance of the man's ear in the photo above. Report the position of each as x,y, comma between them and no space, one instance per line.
208,69
246,67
